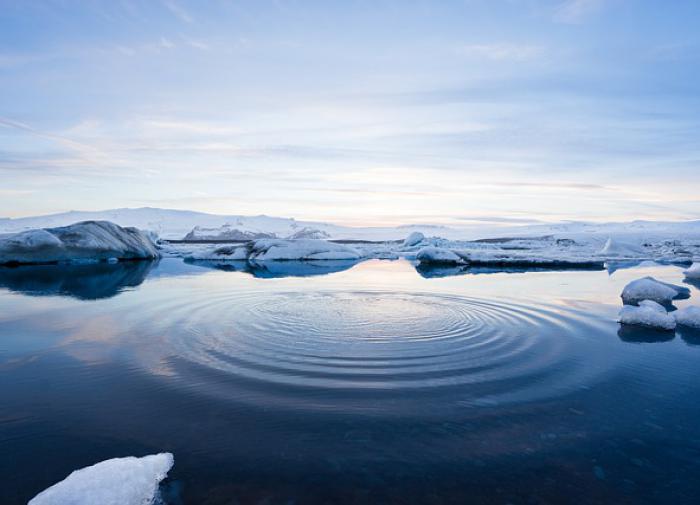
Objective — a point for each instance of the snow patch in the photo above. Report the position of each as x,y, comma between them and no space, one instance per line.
119,481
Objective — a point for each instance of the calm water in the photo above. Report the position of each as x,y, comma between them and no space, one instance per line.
341,383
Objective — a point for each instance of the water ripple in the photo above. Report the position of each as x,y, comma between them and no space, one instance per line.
364,342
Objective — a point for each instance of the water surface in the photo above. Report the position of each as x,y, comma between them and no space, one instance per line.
337,382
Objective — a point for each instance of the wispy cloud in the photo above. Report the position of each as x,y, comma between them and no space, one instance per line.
576,11
178,10
513,52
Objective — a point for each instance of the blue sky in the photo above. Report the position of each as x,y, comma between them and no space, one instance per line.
365,112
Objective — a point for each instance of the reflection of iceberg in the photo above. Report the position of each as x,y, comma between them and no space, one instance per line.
275,269
642,335
85,282
690,336
431,270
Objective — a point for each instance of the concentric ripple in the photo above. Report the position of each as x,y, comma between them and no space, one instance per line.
363,342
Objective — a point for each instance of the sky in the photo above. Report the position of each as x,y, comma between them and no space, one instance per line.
374,112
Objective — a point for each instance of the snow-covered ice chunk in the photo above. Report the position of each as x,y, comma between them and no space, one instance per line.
617,248
303,249
689,316
649,314
79,242
648,288
414,238
228,253
119,481
439,255
693,272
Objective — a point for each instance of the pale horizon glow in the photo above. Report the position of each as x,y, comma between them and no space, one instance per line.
360,113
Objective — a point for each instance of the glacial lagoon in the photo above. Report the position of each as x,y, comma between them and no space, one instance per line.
337,381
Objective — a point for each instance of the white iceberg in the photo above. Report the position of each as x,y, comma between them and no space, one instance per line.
414,238
303,249
616,248
648,314
439,255
693,272
689,316
86,241
119,481
648,288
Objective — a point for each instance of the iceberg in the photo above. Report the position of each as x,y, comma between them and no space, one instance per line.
79,242
648,314
302,249
693,272
439,255
618,249
414,238
226,253
119,481
688,316
648,288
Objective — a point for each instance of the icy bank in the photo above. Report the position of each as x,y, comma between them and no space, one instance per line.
693,272
616,248
689,316
119,481
648,314
648,288
303,249
413,239
278,250
86,241
439,256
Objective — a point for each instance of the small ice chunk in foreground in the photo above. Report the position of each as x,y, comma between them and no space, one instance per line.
648,288
414,238
689,316
649,314
118,481
693,272
439,255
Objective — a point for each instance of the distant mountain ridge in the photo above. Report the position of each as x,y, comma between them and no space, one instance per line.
179,224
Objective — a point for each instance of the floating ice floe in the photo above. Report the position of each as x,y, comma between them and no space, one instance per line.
79,242
689,316
693,272
439,255
648,288
303,249
414,238
119,481
648,314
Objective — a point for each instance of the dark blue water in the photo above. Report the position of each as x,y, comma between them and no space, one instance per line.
342,383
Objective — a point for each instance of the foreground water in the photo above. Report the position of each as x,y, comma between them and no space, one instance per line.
369,383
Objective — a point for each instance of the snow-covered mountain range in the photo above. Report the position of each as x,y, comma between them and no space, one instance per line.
178,224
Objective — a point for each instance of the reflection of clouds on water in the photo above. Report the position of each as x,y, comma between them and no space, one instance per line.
85,282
